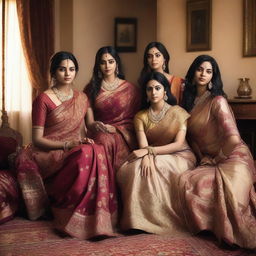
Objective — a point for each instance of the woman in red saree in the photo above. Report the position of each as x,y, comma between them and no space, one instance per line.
114,103
218,195
156,58
63,166
148,180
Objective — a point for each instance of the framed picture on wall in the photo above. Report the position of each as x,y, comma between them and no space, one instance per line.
249,31
199,25
126,34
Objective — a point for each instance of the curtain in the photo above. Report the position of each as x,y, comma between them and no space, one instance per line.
37,36
17,85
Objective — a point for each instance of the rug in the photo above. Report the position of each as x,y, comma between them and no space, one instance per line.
21,237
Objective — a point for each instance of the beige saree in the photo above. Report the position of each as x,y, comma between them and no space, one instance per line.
149,203
219,196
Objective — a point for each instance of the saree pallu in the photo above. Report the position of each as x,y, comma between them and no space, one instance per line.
78,185
176,86
117,108
219,197
149,203
9,196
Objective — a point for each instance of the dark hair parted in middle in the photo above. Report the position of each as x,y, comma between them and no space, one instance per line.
160,78
57,58
190,91
146,68
94,85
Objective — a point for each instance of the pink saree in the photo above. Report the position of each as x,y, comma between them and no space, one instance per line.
117,108
219,197
79,184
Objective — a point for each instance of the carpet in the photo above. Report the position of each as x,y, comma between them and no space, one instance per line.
21,237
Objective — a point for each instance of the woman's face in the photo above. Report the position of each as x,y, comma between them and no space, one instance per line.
155,91
107,65
155,59
66,72
203,74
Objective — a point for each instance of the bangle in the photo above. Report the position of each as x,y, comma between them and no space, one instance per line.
65,146
151,151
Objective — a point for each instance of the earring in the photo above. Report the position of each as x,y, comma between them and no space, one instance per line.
164,67
165,97
209,85
116,71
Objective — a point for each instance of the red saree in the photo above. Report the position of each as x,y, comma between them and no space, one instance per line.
79,184
117,108
219,196
9,196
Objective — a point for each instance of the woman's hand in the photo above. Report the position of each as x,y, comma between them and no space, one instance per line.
207,160
137,154
110,128
99,126
87,140
146,168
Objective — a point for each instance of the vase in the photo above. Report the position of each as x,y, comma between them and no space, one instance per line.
244,90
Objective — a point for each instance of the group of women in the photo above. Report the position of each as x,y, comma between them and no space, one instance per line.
178,167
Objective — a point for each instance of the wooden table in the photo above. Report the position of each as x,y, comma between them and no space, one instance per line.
245,114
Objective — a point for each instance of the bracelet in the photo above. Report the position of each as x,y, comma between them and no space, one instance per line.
151,151
65,146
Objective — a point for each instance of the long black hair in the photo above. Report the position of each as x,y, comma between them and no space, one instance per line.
190,91
159,77
146,68
94,86
57,58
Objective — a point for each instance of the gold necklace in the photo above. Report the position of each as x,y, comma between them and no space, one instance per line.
110,86
61,96
155,118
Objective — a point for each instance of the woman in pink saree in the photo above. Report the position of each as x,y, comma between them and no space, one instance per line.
218,195
148,180
114,102
63,167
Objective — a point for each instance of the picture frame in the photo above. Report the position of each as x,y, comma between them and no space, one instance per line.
126,34
199,25
249,25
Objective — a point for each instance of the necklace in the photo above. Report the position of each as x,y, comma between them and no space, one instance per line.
62,97
110,86
155,118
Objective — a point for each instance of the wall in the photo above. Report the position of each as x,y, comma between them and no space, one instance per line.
93,27
227,31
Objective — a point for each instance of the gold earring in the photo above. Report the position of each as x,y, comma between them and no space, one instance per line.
165,97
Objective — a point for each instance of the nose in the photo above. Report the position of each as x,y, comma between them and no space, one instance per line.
67,72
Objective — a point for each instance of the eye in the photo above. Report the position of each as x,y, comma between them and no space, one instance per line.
148,89
72,69
158,55
111,61
102,62
158,88
61,69
149,56
209,71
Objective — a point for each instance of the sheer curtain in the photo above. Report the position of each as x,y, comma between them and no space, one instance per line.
18,89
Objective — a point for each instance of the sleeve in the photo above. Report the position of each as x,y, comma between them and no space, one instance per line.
39,111
138,122
224,117
182,117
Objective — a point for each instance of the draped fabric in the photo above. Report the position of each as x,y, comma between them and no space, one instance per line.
37,34
9,196
149,203
78,184
176,85
117,108
219,196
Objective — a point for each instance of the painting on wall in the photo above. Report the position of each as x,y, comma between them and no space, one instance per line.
199,22
126,34
249,31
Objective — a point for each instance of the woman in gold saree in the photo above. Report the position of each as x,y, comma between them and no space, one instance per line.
63,166
218,195
114,102
148,179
